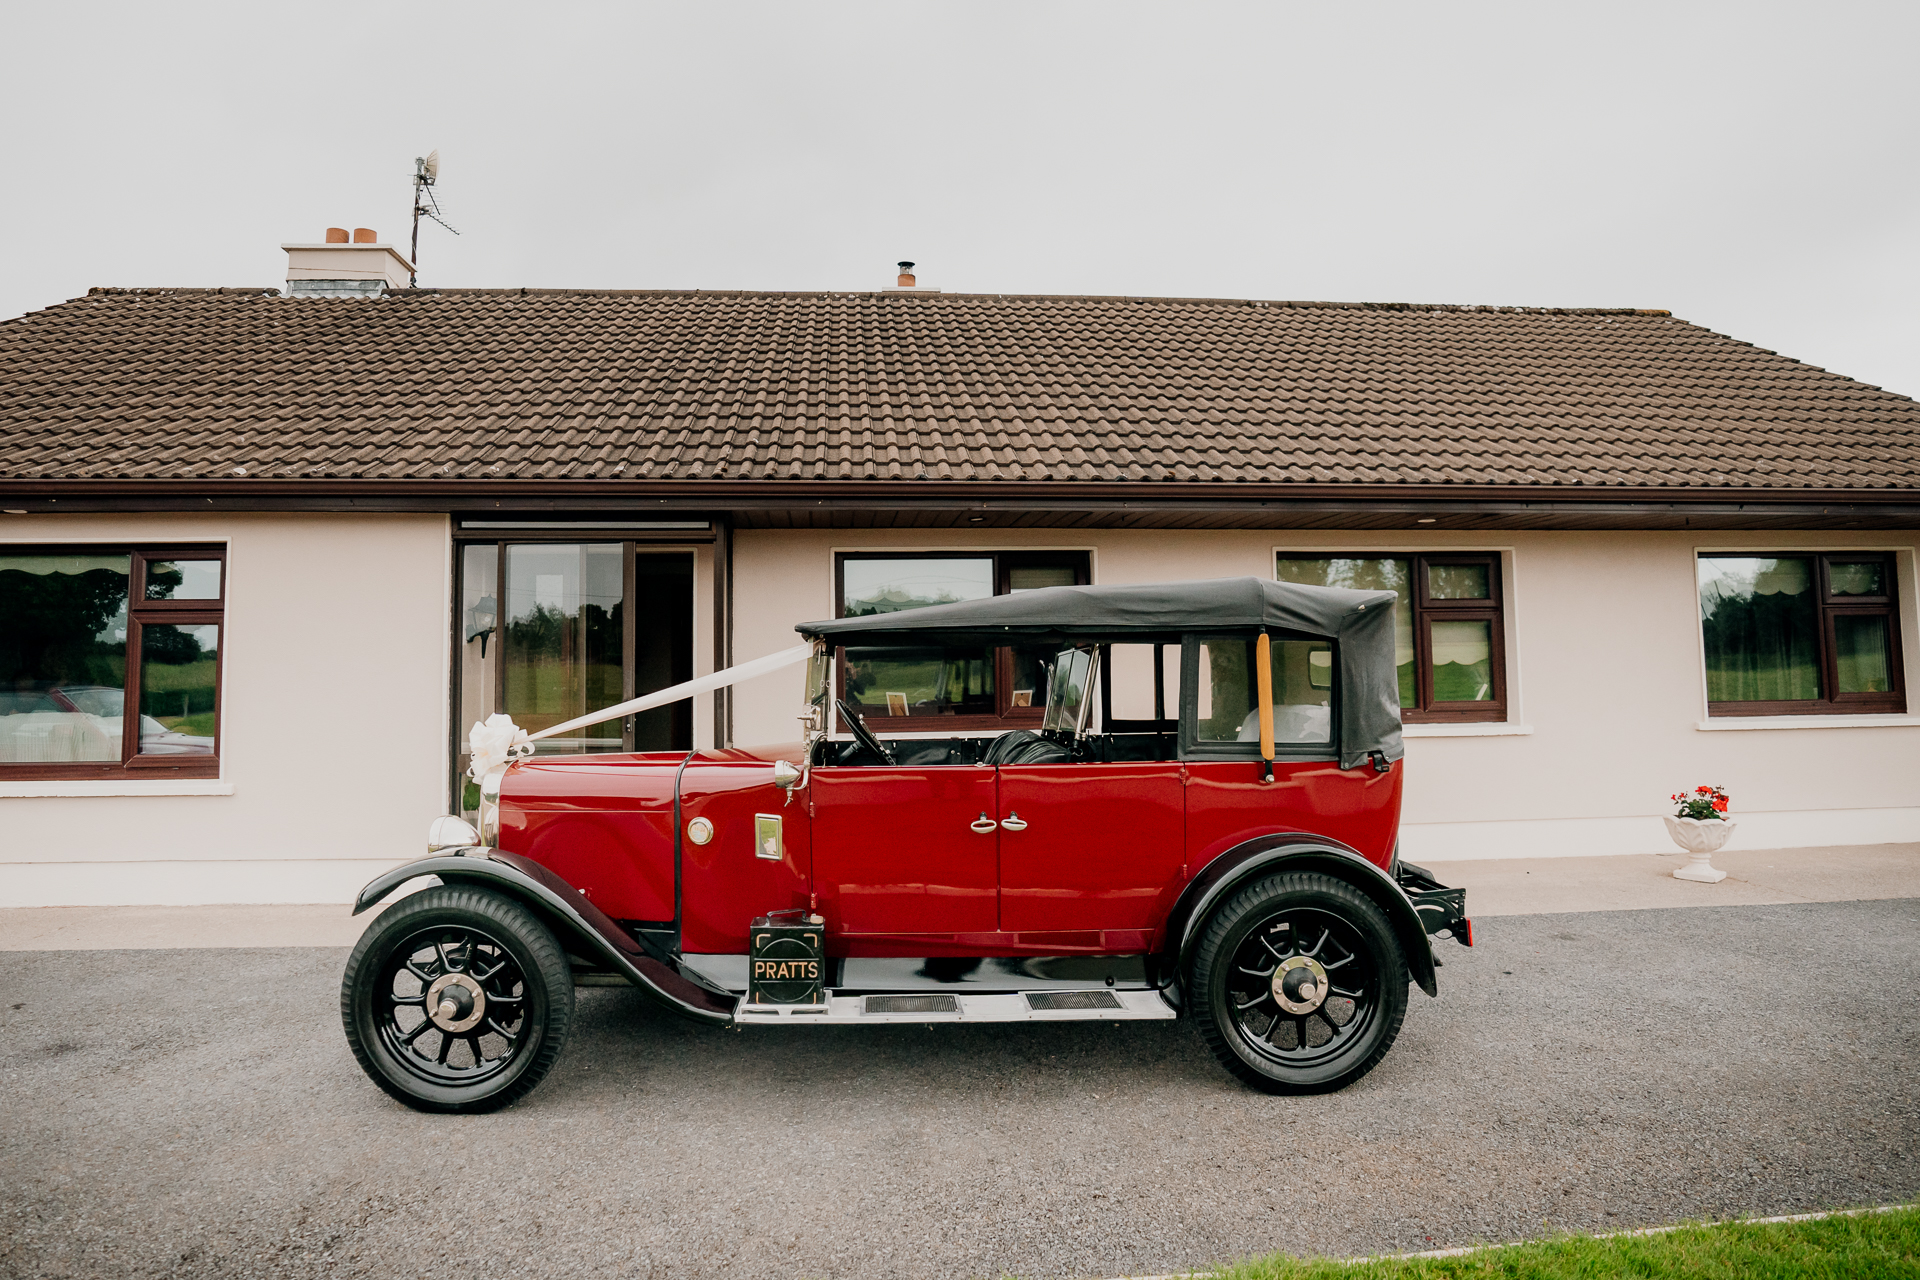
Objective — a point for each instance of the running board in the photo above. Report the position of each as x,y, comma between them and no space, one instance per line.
943,1006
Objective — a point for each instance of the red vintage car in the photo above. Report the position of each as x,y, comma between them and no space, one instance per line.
1202,823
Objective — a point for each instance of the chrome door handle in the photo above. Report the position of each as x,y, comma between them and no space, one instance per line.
984,824
1012,822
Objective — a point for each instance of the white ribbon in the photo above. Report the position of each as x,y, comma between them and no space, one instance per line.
499,739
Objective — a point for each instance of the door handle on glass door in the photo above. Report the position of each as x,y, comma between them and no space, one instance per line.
1012,822
984,824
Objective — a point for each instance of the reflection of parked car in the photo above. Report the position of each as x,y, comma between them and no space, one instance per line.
81,722
110,705
1203,824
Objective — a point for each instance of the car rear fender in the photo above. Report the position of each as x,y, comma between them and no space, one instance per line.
1245,863
567,912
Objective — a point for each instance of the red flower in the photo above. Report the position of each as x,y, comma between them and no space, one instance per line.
1720,806
1704,790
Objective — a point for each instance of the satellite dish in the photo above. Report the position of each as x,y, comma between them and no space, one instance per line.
433,165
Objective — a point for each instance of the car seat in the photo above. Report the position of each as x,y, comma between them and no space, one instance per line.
1024,746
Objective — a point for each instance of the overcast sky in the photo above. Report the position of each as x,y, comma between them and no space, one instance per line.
1751,167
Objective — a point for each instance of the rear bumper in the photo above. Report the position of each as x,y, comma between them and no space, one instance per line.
1442,910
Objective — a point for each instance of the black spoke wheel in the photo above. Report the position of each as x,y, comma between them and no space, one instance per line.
456,999
1299,983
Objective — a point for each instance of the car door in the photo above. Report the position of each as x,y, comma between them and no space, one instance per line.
1090,849
905,851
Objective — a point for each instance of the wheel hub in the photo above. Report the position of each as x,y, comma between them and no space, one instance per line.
1300,984
455,1002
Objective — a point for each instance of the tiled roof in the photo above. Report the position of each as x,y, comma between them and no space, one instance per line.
689,386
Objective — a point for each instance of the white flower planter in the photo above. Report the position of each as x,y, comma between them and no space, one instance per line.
1702,840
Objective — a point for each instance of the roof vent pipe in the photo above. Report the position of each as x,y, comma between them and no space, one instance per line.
906,276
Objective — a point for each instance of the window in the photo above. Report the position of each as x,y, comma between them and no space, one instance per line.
80,629
1800,632
966,689
1225,713
577,626
1449,633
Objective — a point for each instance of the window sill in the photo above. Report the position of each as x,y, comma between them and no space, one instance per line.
1864,721
25,787
1466,729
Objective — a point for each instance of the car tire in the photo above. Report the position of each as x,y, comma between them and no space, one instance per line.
1298,983
501,993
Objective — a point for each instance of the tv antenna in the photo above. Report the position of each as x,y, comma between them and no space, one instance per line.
426,173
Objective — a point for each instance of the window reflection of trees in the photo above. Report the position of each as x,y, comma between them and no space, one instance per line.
564,637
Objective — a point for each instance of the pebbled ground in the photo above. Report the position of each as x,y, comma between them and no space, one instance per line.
196,1113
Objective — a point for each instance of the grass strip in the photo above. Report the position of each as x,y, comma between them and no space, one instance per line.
1881,1244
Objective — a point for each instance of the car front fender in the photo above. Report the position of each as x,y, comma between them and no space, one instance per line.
1243,863
567,909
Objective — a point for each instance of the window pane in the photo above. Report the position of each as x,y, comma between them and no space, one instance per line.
1860,653
1030,672
1463,661
183,580
1225,692
63,657
1760,622
1032,579
885,586
1857,577
563,640
1302,692
920,681
479,637
1393,574
663,648
179,672
1457,581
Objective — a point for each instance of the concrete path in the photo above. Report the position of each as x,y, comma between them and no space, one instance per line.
196,1112
1631,882
1500,887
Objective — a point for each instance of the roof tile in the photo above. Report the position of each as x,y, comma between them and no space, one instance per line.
197,384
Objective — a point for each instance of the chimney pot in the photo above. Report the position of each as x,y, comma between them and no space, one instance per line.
365,235
336,235
906,275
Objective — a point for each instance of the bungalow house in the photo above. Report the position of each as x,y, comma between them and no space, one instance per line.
266,554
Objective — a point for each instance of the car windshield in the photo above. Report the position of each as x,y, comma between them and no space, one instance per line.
1067,690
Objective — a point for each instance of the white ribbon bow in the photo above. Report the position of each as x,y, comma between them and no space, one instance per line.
492,743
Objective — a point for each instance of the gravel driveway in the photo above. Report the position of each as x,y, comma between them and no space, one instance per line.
197,1113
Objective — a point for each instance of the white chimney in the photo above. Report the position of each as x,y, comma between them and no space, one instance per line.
339,268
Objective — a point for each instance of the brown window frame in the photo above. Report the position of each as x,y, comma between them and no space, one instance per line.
1426,611
1887,605
142,613
1005,716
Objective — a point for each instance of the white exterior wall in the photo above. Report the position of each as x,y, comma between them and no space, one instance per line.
335,703
333,735
1606,681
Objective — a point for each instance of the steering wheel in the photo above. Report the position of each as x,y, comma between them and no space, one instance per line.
862,734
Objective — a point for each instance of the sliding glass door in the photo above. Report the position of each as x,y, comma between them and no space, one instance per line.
549,631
